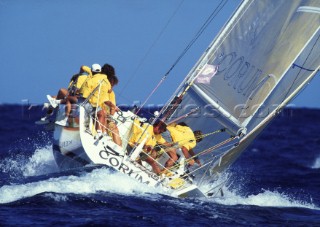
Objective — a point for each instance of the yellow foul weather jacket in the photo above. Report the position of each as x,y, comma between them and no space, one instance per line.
183,135
97,87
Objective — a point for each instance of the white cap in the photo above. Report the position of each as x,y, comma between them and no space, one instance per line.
96,68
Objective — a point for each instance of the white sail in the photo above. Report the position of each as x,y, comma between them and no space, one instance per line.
264,55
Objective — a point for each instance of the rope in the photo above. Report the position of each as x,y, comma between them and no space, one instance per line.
151,47
206,164
97,104
176,143
207,150
177,165
177,100
215,146
184,116
153,91
198,34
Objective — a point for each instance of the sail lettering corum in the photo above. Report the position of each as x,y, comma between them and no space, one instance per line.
253,53
239,74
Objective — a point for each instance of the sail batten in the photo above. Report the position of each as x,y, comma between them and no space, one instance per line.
309,9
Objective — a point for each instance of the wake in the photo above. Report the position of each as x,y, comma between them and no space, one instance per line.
104,180
99,180
266,198
42,163
316,164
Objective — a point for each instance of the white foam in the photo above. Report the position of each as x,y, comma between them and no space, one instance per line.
316,164
41,162
93,182
57,197
264,199
267,198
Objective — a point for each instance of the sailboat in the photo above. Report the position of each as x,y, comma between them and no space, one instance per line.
265,54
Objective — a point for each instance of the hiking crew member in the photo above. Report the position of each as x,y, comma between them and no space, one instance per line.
140,131
96,90
105,115
185,138
66,96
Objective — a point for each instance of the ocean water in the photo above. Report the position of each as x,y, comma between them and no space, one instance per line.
275,182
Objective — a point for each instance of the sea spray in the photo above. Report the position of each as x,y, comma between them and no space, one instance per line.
99,180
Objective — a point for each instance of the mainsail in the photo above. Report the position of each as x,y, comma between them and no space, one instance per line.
264,55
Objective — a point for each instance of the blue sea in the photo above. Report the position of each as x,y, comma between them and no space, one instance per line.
275,182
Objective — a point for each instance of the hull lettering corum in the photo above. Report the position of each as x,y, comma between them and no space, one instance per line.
104,154
124,168
110,150
114,162
113,159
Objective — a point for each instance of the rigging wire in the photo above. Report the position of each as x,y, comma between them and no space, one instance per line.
198,34
209,150
151,47
186,140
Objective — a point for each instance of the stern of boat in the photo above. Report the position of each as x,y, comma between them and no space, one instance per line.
67,146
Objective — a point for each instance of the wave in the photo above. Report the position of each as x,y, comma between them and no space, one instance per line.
316,164
99,180
266,198
41,162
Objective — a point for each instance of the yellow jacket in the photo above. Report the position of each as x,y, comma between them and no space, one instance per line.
112,99
183,135
99,94
81,79
112,96
137,136
86,69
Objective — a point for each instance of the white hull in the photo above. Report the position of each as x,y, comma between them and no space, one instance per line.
75,147
67,148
